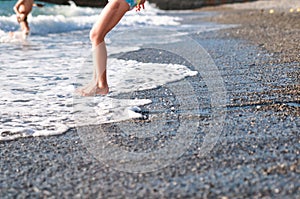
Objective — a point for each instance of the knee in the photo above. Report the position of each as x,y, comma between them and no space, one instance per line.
96,37
92,34
22,17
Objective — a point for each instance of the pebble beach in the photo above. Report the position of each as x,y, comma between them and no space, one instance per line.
256,152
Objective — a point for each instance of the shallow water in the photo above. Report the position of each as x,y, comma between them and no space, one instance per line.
39,75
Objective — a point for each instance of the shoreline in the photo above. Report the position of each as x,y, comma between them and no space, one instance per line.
256,156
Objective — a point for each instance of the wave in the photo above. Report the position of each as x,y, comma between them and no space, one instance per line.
62,18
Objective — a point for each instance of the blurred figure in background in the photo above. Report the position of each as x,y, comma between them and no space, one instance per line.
22,9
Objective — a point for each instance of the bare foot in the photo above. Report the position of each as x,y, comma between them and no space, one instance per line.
93,89
11,34
19,35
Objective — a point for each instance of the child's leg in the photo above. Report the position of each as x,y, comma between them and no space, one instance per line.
98,85
109,18
22,19
24,24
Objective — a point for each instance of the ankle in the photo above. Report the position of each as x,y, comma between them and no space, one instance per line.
102,85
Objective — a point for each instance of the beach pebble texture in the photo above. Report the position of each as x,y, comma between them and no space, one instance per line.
256,156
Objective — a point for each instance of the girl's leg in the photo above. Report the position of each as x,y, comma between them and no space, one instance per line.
109,18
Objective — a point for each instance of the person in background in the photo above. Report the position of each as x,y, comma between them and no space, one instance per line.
111,14
22,9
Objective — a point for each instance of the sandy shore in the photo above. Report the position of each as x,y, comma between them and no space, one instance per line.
256,156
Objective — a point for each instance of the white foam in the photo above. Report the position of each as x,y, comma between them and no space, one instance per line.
39,101
37,79
131,75
59,19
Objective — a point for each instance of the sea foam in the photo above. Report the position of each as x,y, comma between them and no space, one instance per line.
61,18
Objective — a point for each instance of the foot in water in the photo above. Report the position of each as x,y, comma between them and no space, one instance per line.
18,35
93,89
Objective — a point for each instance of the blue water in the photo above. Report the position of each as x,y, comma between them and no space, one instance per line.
38,74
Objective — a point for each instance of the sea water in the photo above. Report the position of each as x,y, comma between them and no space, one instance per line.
38,75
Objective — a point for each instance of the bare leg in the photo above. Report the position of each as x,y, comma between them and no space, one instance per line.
109,18
22,19
99,64
25,27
